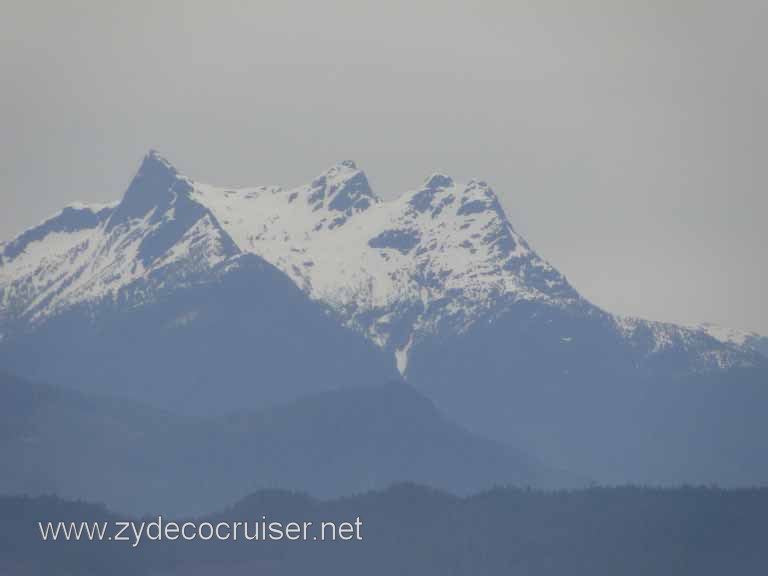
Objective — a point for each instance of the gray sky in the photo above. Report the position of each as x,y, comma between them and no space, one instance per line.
627,140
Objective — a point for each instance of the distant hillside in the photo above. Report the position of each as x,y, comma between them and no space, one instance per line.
136,459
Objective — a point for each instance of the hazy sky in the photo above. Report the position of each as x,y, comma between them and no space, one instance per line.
628,141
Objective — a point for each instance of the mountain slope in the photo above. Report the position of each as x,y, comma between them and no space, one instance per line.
568,392
137,459
246,337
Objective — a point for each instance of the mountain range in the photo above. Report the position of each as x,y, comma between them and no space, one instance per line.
202,300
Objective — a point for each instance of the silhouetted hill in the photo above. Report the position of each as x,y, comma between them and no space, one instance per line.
411,530
135,459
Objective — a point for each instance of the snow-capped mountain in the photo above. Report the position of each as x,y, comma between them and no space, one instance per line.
150,298
210,299
86,254
434,261
437,258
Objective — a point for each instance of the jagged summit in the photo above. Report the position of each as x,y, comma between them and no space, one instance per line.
438,180
477,197
439,258
339,171
153,158
153,186
347,164
342,188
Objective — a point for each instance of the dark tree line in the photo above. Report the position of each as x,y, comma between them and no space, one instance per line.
413,530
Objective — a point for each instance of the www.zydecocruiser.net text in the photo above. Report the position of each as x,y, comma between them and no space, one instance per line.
262,530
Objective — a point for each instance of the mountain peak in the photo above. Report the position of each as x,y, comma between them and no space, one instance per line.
476,197
342,188
339,170
151,187
438,180
154,161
